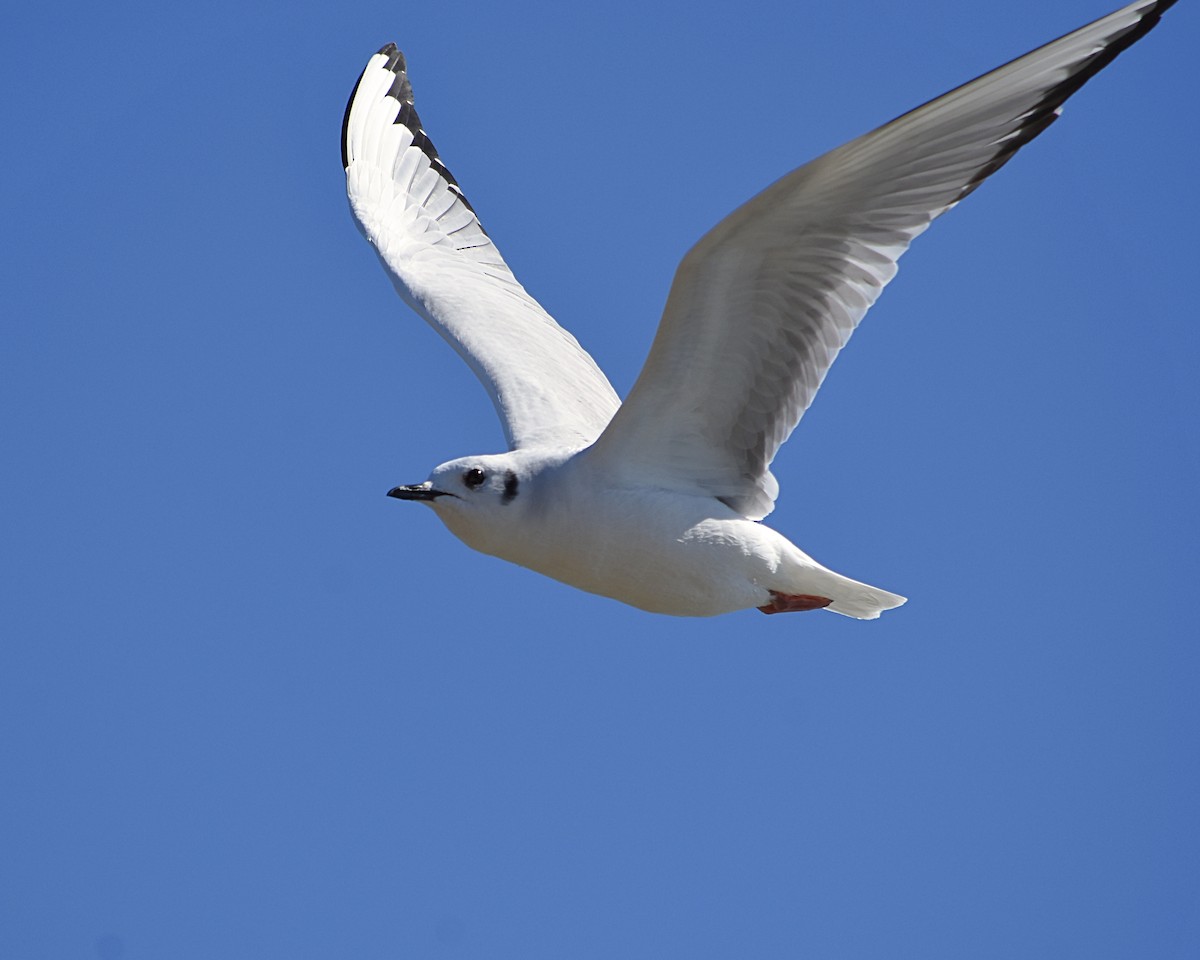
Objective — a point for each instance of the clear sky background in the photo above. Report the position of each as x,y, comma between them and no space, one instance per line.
252,708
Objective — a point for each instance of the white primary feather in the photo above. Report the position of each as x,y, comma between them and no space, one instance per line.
547,390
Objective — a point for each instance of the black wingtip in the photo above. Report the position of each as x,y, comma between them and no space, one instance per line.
1047,111
396,64
402,92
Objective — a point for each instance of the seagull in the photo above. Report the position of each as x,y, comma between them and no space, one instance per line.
657,502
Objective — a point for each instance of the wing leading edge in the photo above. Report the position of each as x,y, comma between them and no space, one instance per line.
546,388
760,307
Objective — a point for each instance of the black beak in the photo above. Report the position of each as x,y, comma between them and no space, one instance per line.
415,491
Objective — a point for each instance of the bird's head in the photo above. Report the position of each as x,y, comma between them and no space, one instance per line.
478,498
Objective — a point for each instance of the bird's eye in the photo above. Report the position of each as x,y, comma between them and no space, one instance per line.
474,477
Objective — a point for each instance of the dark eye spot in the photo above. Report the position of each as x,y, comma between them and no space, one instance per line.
474,477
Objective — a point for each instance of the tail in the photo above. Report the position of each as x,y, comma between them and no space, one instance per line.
801,575
812,586
860,600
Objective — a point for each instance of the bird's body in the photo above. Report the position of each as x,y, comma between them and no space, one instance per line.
658,502
650,548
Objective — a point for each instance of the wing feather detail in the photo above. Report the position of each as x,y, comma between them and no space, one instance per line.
763,303
546,389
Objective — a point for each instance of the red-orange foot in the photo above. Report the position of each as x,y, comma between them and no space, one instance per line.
792,602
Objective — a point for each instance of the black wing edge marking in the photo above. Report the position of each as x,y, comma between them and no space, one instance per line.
401,91
1038,119
1045,112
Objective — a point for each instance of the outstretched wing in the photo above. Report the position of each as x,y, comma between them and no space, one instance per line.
547,390
760,307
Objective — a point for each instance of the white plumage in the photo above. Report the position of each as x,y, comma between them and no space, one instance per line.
655,502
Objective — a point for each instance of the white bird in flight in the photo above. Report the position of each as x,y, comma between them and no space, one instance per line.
657,501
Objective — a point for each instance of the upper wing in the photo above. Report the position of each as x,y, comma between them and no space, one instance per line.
760,307
546,388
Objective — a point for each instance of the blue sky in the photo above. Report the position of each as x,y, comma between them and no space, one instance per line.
252,708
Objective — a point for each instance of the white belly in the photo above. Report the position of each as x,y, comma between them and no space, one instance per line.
654,553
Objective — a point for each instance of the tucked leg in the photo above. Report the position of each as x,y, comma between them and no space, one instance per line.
792,602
